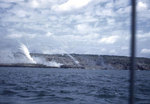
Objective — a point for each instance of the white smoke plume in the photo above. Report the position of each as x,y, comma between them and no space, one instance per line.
26,52
75,60
43,61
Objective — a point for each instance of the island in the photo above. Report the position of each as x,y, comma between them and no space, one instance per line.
83,61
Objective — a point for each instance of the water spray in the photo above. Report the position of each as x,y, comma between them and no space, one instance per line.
26,52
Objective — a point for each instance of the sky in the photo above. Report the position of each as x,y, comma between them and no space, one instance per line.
73,26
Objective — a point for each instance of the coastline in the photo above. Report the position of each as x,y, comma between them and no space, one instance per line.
105,62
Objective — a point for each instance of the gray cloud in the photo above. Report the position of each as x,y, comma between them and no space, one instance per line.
58,26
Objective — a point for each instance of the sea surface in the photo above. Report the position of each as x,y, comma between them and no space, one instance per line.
70,86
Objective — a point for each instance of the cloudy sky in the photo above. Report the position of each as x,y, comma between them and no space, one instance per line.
73,26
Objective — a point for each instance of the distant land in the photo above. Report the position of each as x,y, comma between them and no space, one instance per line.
84,61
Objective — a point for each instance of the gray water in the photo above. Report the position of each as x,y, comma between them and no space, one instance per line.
70,86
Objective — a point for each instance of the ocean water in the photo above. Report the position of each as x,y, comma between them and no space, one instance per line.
70,86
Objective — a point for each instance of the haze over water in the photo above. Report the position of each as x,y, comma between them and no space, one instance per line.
70,86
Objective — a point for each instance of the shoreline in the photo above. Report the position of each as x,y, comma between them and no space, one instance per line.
98,62
28,65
